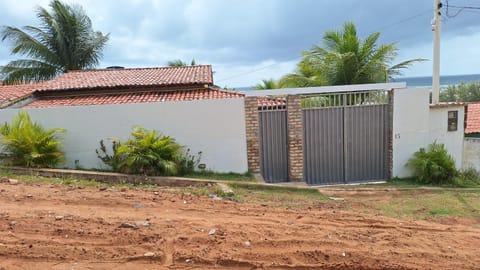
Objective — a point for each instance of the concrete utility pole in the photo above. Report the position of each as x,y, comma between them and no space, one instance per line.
436,27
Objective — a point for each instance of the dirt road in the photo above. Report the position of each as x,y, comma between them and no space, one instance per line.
59,227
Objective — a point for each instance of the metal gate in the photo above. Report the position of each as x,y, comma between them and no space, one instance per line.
273,143
346,137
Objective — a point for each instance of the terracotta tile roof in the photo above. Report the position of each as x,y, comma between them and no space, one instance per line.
265,103
472,118
139,97
129,78
11,93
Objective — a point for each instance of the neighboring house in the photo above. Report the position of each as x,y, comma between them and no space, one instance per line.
472,120
94,105
116,86
471,145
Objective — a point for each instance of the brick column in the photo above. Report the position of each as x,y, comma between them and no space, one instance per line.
252,133
390,133
295,138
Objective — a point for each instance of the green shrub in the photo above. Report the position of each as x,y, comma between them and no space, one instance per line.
468,178
150,153
187,162
112,160
26,143
433,166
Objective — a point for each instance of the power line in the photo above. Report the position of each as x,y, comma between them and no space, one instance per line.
459,9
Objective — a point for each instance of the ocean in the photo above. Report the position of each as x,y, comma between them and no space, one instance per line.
444,80
426,81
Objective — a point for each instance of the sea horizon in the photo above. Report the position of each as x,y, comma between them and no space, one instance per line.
419,81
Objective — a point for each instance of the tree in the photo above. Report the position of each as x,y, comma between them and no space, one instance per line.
266,84
63,41
346,59
180,63
463,92
305,76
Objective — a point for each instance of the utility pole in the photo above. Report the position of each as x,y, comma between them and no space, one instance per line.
436,28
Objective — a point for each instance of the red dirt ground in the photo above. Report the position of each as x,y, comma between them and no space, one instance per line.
59,227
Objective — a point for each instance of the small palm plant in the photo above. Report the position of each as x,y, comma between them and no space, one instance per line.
150,153
27,143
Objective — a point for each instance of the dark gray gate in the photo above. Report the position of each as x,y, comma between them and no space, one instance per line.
346,137
273,144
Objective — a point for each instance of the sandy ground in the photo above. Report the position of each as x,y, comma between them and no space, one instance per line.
59,227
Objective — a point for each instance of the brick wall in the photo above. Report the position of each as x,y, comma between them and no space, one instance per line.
252,132
390,134
295,137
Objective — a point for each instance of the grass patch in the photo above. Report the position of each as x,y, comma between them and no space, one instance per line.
243,177
289,197
411,182
69,181
421,204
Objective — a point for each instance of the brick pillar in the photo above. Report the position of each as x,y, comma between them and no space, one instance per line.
252,133
295,138
390,133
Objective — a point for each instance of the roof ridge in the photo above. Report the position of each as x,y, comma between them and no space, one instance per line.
134,68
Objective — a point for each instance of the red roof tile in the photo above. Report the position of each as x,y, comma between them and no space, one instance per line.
473,118
129,78
140,97
9,93
271,103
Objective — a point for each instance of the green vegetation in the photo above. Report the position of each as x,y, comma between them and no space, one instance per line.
266,84
180,63
148,153
290,197
426,204
63,41
25,143
346,59
433,165
463,92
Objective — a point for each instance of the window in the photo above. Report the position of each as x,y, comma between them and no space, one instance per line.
452,120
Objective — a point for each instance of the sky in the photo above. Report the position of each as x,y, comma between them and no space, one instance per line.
246,41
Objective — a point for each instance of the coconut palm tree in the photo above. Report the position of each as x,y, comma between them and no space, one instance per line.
306,75
266,84
180,63
347,59
63,41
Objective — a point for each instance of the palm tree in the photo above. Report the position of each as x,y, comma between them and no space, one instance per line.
180,63
305,76
266,84
346,59
64,41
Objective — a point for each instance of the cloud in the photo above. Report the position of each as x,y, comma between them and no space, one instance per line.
240,35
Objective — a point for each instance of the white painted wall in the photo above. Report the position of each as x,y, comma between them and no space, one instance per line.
453,140
215,127
410,126
416,125
471,153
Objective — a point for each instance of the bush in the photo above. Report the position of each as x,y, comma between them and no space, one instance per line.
468,178
112,160
433,166
26,143
149,153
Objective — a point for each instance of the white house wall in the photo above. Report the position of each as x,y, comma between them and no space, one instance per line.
215,127
416,125
471,153
453,140
410,126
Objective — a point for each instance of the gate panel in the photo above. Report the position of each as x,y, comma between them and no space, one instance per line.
273,145
366,148
323,146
